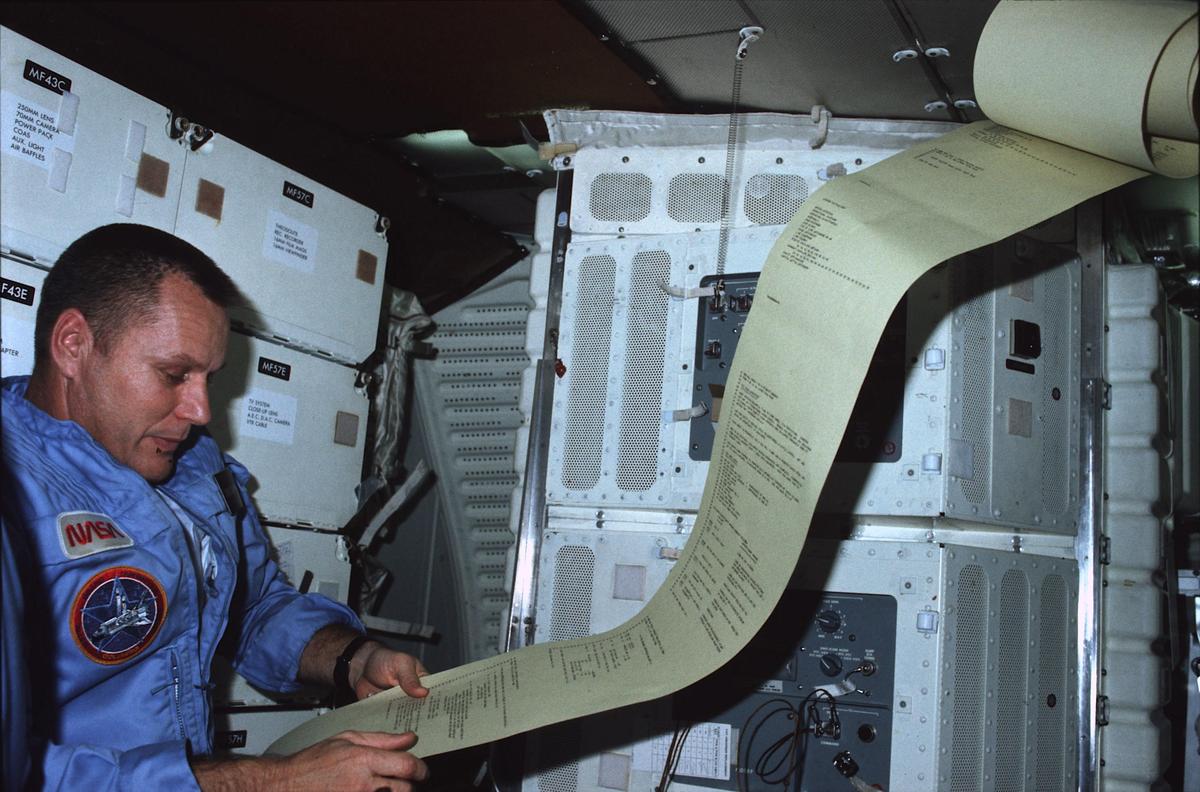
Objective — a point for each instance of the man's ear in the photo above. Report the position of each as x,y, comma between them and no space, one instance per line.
71,342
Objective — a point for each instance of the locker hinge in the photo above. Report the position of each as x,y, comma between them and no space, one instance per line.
1105,550
1102,711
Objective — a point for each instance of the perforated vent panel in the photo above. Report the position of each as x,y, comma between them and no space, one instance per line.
970,647
574,574
976,322
677,189
1052,701
641,403
620,197
563,778
584,437
1008,703
1012,682
696,197
772,198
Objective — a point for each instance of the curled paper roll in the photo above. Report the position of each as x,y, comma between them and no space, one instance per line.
1074,81
1111,77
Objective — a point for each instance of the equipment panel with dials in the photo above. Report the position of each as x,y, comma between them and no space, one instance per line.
817,682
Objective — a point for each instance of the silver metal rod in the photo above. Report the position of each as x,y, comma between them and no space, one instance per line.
1090,244
533,497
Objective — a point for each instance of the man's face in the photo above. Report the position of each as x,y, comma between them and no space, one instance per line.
141,399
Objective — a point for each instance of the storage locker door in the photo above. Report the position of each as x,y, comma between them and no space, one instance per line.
308,258
79,151
297,423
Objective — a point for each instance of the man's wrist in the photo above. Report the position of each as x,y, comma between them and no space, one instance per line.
349,668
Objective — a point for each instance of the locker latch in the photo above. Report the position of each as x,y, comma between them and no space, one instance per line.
1105,550
1102,711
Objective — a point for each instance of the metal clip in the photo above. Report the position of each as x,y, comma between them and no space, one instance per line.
1105,550
1106,396
1102,711
904,54
749,35
937,52
820,117
936,104
965,104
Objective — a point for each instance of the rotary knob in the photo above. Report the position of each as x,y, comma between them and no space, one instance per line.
831,665
829,621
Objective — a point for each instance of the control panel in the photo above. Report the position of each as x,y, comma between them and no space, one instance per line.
816,683
875,430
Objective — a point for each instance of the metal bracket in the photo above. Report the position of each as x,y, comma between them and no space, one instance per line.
1105,551
936,104
937,52
1102,711
904,54
748,35
1106,396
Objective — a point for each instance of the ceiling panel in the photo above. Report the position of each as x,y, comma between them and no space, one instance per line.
832,52
639,20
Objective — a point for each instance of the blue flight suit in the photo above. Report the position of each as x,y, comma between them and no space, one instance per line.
128,627
14,686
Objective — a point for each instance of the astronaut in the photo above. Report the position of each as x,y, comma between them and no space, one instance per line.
147,557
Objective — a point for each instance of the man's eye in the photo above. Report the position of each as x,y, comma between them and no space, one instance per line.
175,378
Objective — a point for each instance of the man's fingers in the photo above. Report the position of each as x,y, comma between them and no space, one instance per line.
384,740
397,764
409,675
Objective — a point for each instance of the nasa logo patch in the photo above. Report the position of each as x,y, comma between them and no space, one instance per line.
84,533
117,614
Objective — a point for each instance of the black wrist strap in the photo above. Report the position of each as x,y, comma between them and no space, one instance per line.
342,692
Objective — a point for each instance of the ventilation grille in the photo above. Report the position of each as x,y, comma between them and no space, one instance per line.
620,197
772,198
1012,684
970,652
976,317
641,403
469,401
571,607
1056,446
696,197
563,778
584,438
1053,641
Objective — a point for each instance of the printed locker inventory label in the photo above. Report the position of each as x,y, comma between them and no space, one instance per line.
290,242
16,345
269,416
31,130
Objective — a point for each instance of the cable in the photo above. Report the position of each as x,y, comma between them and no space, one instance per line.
674,753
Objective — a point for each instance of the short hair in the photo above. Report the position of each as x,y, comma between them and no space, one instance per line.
112,275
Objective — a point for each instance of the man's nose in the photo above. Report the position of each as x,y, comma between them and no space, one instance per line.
193,406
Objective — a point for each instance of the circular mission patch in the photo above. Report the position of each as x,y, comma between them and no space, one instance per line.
117,613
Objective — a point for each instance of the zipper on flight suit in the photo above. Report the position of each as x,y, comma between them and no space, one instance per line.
176,682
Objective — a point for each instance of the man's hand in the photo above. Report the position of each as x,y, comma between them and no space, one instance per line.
374,667
348,762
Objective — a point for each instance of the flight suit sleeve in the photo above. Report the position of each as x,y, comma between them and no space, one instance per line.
270,621
158,766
